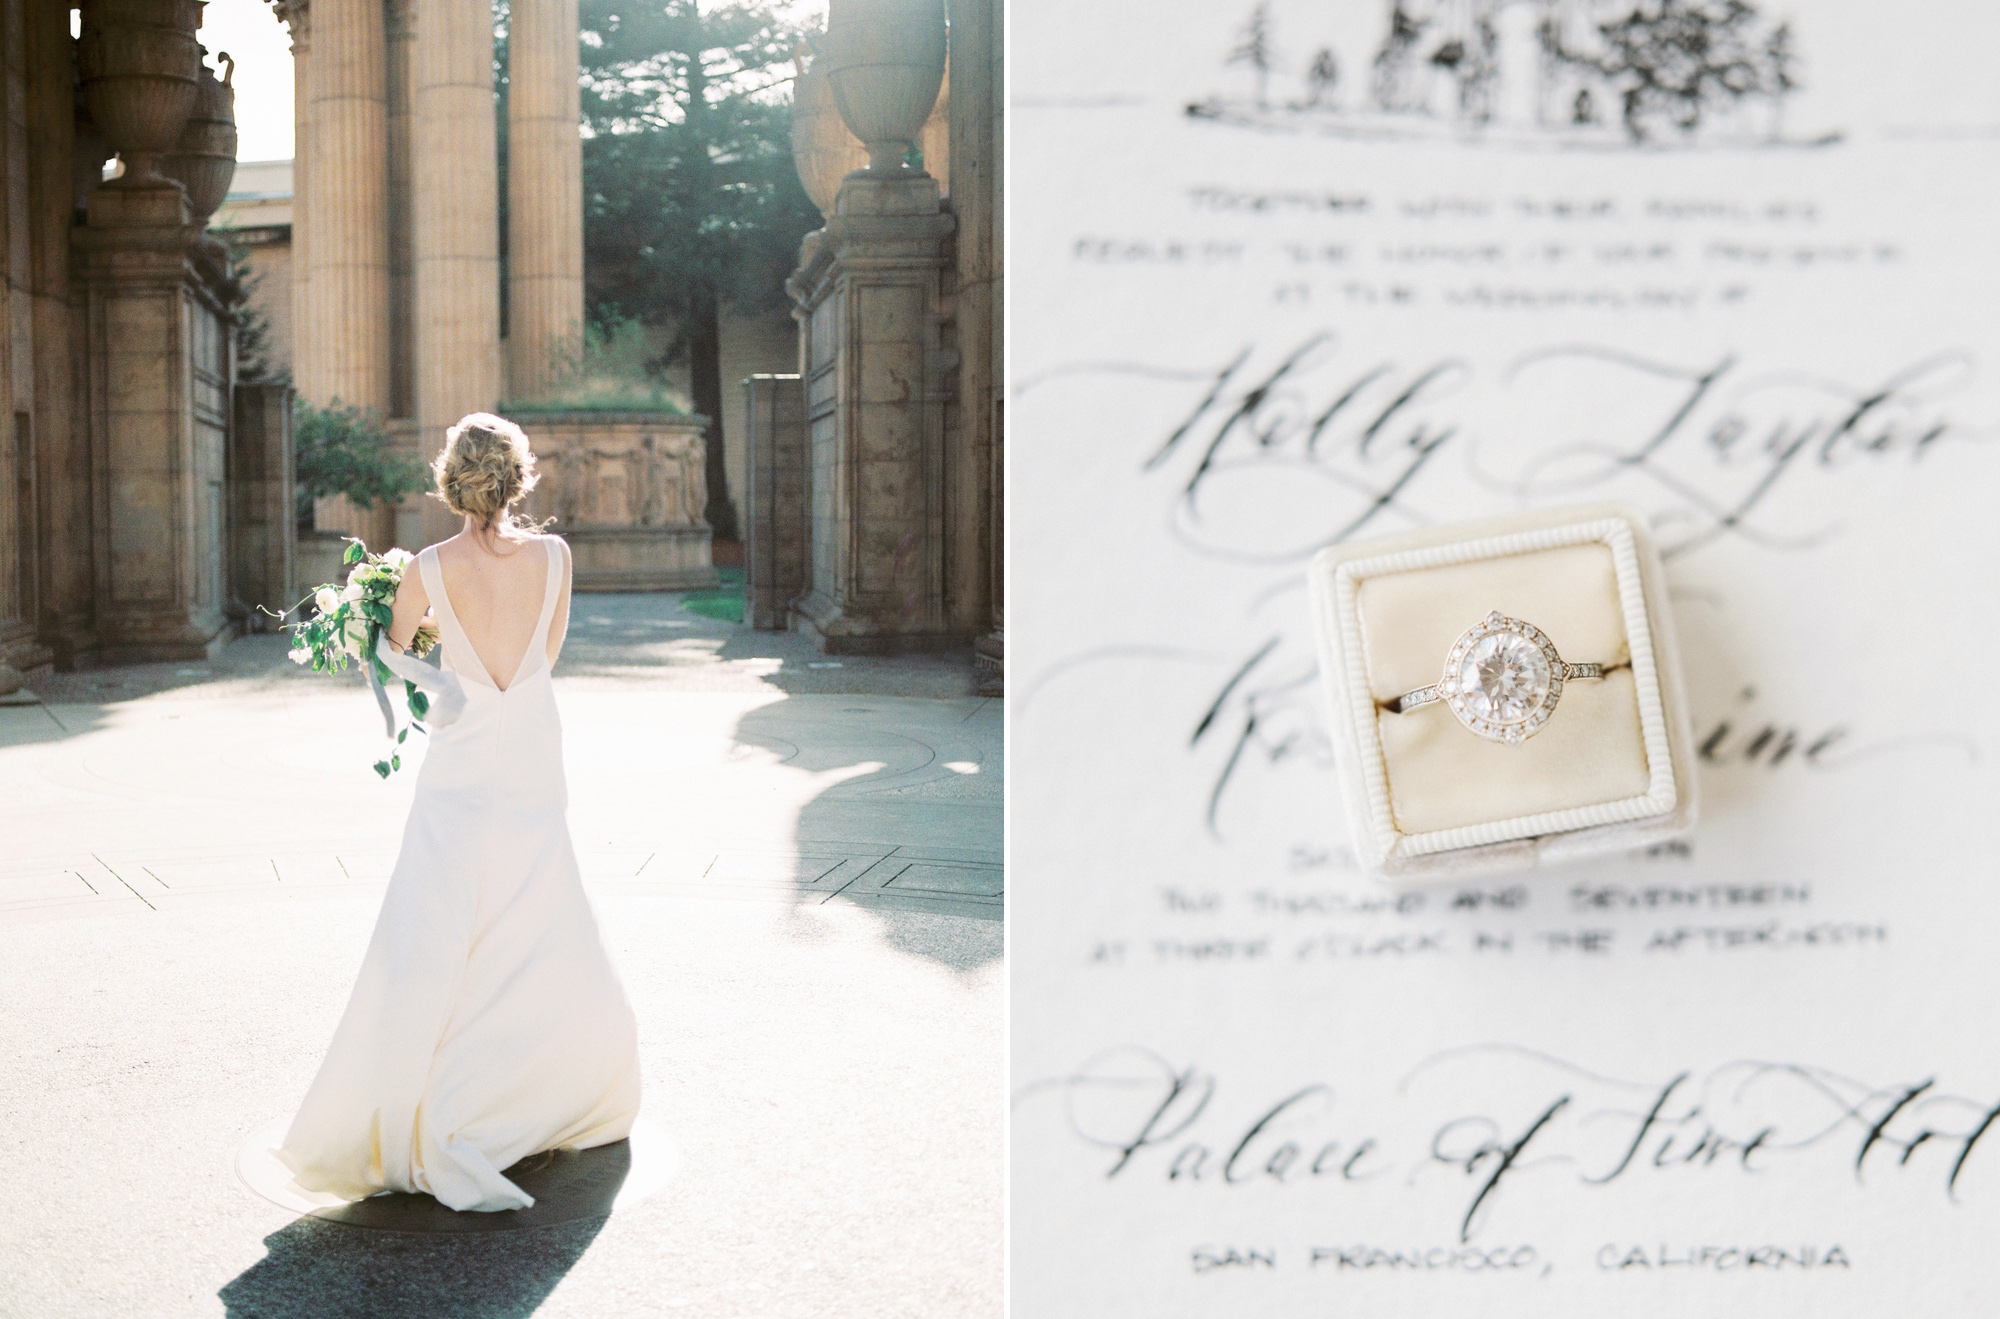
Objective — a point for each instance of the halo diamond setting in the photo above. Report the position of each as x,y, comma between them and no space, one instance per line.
1502,679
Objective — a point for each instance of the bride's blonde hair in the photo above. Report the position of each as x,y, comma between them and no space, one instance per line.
485,469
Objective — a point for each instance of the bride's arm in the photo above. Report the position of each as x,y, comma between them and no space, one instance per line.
559,625
412,601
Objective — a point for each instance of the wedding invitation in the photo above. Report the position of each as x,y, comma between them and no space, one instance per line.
1288,275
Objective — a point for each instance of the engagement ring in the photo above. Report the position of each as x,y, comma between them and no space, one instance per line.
1502,679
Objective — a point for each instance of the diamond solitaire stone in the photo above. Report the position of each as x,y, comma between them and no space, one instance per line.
1504,678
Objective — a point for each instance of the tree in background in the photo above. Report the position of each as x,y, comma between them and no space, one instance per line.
1322,77
341,450
691,201
1679,65
1253,47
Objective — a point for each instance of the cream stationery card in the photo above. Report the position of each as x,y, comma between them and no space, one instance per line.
1291,274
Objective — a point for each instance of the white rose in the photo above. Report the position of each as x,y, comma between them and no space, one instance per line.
326,599
353,592
397,558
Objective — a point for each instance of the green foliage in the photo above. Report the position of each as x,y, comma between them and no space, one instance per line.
344,451
614,372
690,193
691,200
348,622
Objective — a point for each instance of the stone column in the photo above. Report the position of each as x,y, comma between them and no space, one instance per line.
297,15
776,530
975,161
544,196
157,353
349,255
400,18
454,225
61,443
260,497
19,575
349,203
876,381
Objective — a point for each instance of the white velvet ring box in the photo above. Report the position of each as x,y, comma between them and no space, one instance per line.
1427,798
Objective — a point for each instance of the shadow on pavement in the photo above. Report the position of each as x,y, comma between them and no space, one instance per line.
320,1270
954,931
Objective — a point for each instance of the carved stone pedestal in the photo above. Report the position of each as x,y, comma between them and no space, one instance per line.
157,333
626,490
877,377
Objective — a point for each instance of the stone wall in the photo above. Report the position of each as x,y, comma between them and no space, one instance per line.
765,344
268,270
263,572
626,490
978,135
776,528
23,276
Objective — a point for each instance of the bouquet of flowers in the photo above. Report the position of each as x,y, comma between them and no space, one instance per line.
350,622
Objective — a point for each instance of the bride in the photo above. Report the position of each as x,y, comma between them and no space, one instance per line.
487,1024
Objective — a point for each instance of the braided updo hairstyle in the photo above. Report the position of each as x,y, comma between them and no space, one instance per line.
486,467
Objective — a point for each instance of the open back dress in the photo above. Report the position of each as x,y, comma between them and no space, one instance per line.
487,1023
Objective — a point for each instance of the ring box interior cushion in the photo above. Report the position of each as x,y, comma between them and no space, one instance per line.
1608,770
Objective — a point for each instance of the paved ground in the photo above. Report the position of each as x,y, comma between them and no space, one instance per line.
797,867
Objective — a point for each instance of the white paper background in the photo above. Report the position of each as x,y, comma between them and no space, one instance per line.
1822,945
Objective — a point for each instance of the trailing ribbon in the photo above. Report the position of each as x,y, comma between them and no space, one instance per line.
446,694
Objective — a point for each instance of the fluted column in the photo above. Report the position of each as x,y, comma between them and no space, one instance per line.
544,195
305,312
455,224
349,203
400,16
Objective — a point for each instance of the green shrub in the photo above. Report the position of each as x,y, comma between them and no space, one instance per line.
341,450
615,370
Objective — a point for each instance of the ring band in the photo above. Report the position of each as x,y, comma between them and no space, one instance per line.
1502,679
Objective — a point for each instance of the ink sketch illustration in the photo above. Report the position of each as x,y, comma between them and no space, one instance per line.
1575,73
1296,275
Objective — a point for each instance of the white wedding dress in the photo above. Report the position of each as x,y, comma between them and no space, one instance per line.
487,1023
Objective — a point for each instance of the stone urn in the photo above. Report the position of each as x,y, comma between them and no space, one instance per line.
822,148
884,60
141,72
204,160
